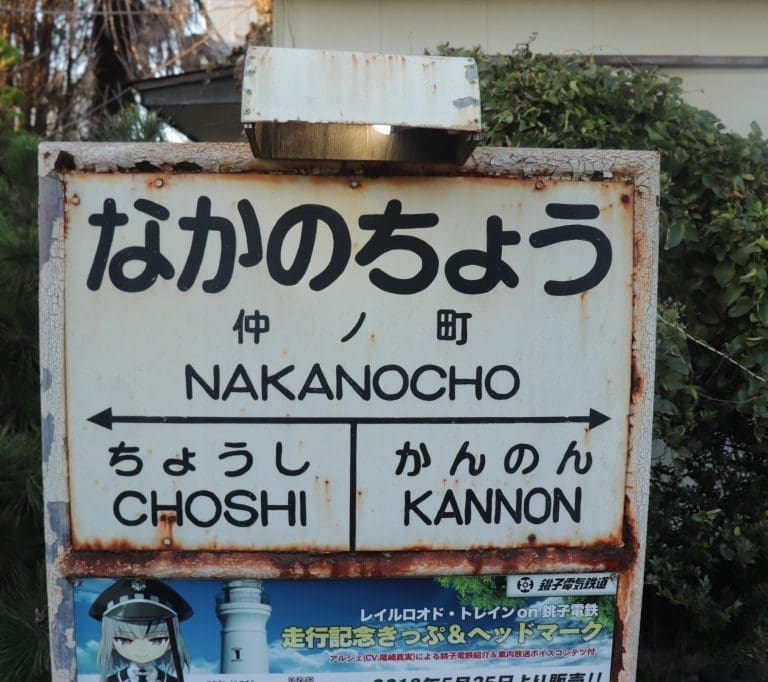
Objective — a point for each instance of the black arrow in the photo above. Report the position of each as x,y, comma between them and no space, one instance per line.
106,419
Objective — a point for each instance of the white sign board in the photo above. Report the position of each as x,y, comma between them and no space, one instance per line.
286,362
561,584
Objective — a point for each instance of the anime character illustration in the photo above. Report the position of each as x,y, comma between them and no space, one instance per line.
140,636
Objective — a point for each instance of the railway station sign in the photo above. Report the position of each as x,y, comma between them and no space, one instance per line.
266,370
281,362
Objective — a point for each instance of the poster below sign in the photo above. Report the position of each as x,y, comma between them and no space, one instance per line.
417,630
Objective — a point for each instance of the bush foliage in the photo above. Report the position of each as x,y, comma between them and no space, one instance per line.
708,529
23,623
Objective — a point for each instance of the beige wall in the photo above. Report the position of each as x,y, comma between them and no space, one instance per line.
231,18
615,27
687,27
737,96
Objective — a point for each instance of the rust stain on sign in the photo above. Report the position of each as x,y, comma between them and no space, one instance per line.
298,565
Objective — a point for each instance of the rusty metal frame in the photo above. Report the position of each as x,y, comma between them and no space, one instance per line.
57,161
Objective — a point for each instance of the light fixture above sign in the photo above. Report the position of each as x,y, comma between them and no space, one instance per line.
324,105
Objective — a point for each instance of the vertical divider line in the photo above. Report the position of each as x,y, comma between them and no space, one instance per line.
352,486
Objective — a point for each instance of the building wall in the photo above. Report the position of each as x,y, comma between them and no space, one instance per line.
691,28
232,19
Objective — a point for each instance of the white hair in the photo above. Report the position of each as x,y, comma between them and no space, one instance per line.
109,661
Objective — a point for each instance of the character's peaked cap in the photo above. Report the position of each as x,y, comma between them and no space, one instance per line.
140,601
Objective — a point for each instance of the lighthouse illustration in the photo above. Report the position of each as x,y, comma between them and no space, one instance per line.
243,611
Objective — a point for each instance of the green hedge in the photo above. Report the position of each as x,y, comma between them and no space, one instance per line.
23,621
707,567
